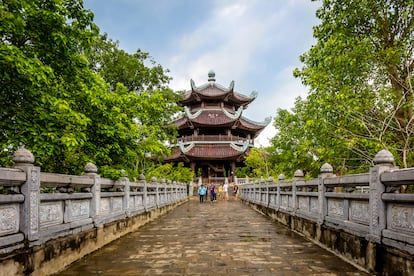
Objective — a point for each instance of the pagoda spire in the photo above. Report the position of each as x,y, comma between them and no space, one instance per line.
211,76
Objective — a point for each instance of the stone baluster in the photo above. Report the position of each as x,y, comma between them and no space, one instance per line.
165,192
157,192
144,192
92,171
126,198
269,182
383,161
281,179
325,172
297,176
29,213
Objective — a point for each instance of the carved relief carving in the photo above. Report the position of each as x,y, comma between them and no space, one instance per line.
105,206
284,201
359,212
335,207
34,212
117,203
374,197
402,218
303,203
9,217
272,200
34,202
51,213
314,205
80,209
34,177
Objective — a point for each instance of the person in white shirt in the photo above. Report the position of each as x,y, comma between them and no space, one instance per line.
226,190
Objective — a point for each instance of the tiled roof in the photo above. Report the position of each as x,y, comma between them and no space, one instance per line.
208,152
213,151
213,118
212,90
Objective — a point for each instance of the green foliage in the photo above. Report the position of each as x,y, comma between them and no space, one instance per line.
174,172
360,101
257,162
38,86
70,96
243,172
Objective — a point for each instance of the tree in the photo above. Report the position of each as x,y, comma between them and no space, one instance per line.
149,103
71,96
38,86
257,162
360,75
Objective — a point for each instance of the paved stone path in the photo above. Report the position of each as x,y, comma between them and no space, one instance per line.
223,238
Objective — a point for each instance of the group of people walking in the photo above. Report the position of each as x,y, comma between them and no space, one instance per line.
221,192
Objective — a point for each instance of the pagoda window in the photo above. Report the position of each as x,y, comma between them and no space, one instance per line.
196,106
228,107
212,104
213,131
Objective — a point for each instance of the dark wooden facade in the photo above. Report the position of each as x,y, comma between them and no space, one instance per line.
214,137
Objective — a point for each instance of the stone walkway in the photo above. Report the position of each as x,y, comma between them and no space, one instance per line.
223,238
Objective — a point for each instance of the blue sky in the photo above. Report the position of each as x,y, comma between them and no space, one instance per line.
256,43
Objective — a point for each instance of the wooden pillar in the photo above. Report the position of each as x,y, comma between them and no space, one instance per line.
193,167
232,170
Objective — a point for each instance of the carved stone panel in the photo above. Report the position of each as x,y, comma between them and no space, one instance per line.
117,203
359,212
9,219
303,203
284,201
34,210
80,209
272,200
335,207
402,218
105,205
314,208
51,213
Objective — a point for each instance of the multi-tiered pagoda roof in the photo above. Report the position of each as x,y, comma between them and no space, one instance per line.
212,128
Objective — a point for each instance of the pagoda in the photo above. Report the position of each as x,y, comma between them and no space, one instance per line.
214,137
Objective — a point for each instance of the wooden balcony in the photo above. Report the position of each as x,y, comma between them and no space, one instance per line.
214,138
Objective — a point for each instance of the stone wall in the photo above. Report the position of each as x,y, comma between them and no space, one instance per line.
361,217
48,220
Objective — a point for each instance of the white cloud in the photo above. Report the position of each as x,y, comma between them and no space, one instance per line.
245,38
226,43
286,89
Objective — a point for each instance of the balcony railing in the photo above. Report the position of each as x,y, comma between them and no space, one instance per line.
194,138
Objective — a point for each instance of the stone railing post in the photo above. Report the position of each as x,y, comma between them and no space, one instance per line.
126,198
173,192
29,214
92,171
383,161
164,184
297,176
281,179
157,192
141,179
190,188
269,182
325,172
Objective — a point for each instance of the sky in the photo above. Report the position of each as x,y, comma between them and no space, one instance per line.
256,43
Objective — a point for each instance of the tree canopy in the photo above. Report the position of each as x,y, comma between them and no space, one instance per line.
71,96
360,74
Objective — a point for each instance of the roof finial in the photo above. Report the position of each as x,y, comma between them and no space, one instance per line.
211,76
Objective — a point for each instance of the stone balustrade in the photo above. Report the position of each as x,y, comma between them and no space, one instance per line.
330,209
36,207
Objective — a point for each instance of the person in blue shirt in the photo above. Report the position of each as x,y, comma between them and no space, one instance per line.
202,192
213,193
